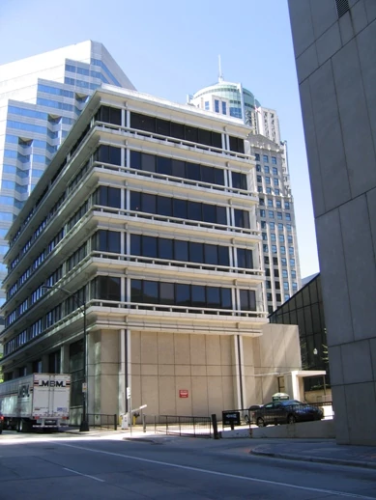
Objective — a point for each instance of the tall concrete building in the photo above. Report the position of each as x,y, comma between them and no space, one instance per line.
40,98
335,50
146,218
275,214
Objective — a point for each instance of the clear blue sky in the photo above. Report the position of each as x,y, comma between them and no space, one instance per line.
169,48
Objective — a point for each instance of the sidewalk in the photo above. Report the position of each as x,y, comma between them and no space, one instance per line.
322,452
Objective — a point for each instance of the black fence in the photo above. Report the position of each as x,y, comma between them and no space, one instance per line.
178,425
103,421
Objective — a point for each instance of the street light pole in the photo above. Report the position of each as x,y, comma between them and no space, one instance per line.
84,427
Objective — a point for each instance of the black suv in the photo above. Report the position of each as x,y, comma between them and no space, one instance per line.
285,412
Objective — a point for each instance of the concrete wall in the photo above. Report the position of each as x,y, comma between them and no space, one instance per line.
209,367
162,364
274,354
335,59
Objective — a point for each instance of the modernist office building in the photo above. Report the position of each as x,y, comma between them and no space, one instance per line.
335,49
40,98
276,210
147,215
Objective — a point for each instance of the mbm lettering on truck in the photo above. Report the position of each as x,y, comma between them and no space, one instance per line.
51,383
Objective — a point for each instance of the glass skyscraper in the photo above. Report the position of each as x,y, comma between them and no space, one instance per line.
40,99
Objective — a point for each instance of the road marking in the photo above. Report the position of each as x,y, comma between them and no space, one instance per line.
224,474
85,475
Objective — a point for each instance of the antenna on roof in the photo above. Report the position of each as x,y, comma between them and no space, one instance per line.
220,76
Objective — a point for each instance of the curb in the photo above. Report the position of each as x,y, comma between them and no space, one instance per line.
333,461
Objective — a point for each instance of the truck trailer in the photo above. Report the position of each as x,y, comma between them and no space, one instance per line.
39,400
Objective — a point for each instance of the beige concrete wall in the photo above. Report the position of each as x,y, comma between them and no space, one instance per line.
275,353
164,363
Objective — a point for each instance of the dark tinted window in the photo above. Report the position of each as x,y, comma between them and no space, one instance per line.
167,293
136,244
198,296
226,299
213,297
211,254
163,127
204,136
108,154
209,213
177,130
181,250
164,206
194,210
165,248
136,291
239,181
192,171
208,174
223,256
242,219
196,252
178,168
108,241
135,160
191,133
164,165
183,295
108,197
142,122
180,208
108,114
149,203
150,290
149,246
135,200
221,216
236,144
148,162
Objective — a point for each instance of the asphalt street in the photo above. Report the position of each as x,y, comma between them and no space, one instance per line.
115,467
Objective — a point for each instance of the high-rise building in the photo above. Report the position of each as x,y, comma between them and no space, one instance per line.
335,50
275,214
40,98
145,219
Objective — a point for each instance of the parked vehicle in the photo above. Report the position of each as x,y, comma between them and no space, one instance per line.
285,412
40,400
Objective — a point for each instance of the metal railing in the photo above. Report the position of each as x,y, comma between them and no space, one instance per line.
103,421
178,425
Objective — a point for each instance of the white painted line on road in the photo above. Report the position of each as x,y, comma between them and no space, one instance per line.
224,474
85,475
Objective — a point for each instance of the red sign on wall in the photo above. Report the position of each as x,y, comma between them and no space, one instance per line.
183,393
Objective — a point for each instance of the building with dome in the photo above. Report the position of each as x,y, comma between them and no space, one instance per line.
275,213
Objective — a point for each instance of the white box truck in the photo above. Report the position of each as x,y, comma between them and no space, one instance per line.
40,400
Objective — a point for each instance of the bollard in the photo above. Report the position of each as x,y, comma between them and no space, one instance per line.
144,422
215,426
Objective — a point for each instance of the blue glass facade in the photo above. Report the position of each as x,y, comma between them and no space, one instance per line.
36,128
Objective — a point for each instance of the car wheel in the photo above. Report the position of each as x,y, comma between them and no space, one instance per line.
291,419
260,422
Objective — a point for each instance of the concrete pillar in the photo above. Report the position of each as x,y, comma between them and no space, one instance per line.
64,359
